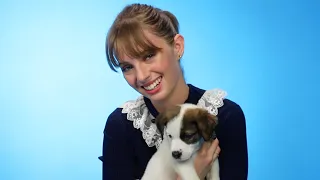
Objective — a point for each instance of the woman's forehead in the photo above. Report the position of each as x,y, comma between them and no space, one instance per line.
124,58
140,49
154,39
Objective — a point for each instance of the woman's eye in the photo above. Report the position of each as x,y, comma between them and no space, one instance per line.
126,68
149,56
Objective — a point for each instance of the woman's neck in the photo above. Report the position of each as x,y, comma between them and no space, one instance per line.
178,96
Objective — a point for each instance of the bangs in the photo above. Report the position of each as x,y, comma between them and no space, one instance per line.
129,39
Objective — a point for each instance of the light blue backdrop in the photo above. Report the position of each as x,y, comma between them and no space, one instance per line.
56,89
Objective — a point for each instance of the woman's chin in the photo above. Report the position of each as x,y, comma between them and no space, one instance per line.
155,97
160,96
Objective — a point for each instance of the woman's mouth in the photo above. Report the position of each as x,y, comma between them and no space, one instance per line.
154,85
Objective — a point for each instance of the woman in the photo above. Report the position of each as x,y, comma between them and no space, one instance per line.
145,43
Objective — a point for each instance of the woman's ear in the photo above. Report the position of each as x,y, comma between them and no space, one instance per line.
178,46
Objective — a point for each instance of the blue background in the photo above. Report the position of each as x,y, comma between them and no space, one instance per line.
56,89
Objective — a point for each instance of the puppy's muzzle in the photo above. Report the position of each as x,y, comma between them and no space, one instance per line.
176,154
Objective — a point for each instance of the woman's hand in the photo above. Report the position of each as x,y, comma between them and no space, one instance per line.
206,155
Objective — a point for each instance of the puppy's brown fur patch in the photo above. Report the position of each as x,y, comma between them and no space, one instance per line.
163,118
197,123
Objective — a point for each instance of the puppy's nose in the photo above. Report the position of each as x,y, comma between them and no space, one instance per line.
176,154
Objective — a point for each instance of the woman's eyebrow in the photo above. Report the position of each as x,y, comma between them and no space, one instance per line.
123,63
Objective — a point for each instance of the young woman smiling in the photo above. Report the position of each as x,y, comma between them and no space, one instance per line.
144,42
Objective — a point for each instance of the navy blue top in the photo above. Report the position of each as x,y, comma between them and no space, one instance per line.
126,154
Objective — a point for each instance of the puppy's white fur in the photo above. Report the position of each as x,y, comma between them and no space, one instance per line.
162,166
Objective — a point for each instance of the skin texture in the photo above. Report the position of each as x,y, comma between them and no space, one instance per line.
139,72
165,64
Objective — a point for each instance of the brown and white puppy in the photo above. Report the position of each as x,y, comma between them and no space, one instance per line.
183,129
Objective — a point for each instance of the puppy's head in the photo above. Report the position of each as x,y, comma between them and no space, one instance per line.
183,126
197,123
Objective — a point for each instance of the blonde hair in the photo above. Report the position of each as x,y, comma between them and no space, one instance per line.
126,35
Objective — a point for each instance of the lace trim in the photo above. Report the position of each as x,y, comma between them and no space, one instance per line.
212,100
138,112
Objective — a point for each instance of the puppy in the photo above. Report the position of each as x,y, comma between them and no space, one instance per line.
183,129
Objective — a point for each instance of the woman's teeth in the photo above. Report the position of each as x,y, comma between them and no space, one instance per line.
153,85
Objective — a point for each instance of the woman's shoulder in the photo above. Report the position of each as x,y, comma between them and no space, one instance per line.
217,103
231,119
134,116
230,107
116,120
120,113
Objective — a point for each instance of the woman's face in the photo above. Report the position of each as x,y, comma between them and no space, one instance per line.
158,75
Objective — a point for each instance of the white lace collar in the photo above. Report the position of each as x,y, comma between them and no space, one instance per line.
138,112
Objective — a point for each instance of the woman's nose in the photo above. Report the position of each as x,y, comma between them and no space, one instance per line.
143,74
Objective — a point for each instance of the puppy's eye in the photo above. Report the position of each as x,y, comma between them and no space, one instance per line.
169,135
189,135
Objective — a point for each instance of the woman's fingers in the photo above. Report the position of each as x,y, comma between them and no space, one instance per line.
213,147
210,151
204,148
216,153
213,151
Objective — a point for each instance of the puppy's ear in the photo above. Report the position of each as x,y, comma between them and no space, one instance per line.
206,124
163,118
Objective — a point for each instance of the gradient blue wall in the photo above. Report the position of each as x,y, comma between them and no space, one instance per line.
56,89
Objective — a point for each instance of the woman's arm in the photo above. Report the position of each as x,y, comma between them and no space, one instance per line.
233,158
118,159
